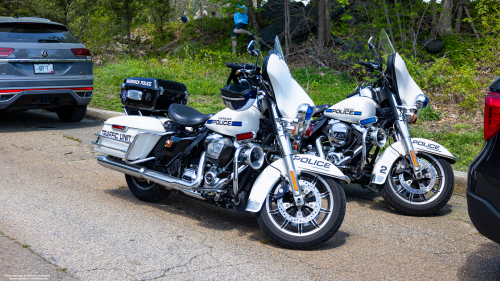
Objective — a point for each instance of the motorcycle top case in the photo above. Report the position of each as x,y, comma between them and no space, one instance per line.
152,94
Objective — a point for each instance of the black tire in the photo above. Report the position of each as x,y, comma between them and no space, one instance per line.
422,206
284,236
145,190
71,113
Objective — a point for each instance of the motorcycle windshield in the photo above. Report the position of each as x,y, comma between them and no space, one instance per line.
288,93
407,89
385,46
277,48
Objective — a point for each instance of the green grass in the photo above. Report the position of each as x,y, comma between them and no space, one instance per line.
462,140
203,75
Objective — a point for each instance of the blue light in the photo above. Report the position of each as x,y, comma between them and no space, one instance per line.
309,113
425,102
368,121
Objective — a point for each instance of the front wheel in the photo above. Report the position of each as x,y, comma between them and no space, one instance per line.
307,226
146,190
419,197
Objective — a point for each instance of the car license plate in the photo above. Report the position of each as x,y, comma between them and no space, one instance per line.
44,68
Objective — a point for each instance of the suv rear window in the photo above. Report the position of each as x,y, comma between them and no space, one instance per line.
35,33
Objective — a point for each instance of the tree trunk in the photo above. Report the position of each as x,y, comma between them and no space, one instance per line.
328,23
399,20
127,19
388,21
444,26
321,25
288,39
259,5
471,22
459,16
434,18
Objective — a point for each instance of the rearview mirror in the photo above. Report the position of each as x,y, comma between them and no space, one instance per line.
370,45
253,48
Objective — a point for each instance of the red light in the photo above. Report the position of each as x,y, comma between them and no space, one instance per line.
5,52
10,91
491,115
309,130
244,136
81,89
81,52
43,89
118,127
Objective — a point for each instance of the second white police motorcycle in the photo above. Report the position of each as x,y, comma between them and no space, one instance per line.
240,158
413,174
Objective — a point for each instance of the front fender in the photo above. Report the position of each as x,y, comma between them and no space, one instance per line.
303,163
393,152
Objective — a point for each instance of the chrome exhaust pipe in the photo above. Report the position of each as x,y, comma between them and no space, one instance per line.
319,147
160,178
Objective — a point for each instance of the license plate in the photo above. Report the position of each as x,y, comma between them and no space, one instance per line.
44,68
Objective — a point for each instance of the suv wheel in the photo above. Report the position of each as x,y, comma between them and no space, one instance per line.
71,113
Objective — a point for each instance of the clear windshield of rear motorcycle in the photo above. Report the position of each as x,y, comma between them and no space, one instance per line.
407,90
277,48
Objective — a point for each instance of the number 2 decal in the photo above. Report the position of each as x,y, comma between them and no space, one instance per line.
383,169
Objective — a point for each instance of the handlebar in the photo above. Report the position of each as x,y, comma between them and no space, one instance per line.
365,64
238,65
352,94
371,65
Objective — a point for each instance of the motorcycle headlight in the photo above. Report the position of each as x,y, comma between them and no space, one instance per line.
305,112
420,102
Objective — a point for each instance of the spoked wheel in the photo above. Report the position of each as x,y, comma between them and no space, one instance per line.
146,190
309,225
419,197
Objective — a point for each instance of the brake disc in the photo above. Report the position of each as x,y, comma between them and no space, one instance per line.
425,184
307,189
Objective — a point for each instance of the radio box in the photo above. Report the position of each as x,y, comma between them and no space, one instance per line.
152,94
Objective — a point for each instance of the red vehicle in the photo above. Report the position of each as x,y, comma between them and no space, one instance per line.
483,178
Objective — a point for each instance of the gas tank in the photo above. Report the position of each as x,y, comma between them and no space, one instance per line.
353,110
231,123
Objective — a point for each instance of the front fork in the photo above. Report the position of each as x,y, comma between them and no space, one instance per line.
284,144
404,132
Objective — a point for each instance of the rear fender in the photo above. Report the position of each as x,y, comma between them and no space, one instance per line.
271,175
396,150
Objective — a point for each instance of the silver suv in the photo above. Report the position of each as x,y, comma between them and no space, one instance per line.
42,65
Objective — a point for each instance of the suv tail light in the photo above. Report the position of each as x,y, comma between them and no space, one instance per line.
81,52
5,52
491,115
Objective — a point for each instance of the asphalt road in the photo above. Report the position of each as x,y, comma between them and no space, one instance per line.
64,217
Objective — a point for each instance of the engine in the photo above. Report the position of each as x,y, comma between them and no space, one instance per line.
339,134
346,140
221,152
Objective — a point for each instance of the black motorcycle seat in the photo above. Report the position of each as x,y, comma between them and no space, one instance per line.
320,109
187,116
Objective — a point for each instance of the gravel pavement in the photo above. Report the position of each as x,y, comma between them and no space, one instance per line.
78,221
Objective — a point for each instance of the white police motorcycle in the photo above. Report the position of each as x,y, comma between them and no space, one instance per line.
244,157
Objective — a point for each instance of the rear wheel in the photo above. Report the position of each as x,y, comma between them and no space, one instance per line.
146,190
307,226
419,197
71,113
